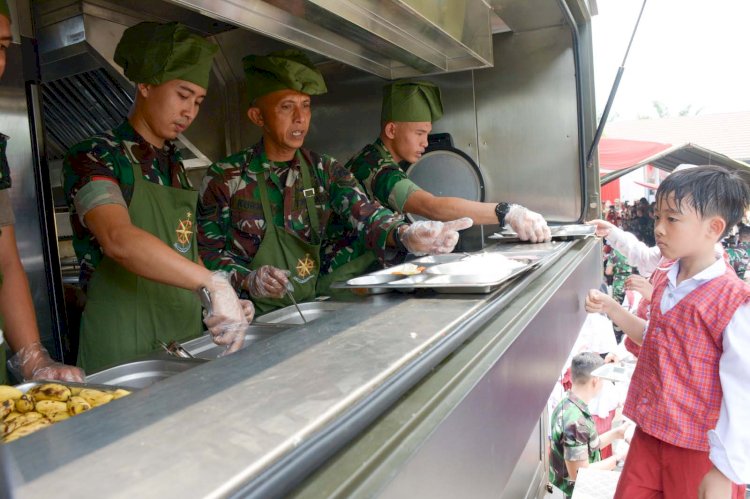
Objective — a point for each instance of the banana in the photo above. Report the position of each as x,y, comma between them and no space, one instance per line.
75,390
95,397
25,403
26,430
8,427
50,391
9,393
58,416
119,393
6,407
77,405
13,415
47,407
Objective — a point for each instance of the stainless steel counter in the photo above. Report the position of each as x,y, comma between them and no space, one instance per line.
235,424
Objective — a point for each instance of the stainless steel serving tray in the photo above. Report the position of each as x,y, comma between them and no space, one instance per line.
142,373
390,278
558,232
28,385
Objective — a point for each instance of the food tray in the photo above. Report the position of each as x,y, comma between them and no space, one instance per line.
621,371
28,385
443,273
559,232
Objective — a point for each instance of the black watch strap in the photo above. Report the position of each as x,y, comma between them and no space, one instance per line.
397,239
501,210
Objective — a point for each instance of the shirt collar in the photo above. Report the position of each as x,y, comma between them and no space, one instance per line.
579,403
145,150
713,271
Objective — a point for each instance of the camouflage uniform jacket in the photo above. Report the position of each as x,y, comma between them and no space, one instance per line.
620,272
102,157
574,438
739,257
230,217
381,177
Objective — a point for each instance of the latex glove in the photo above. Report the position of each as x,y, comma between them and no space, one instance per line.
33,362
640,284
602,227
267,282
248,309
227,322
529,225
428,237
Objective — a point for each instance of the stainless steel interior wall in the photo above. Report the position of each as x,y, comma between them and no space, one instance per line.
14,122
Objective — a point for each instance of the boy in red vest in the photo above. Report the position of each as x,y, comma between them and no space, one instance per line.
690,394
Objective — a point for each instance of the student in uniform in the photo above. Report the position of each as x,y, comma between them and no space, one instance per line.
689,394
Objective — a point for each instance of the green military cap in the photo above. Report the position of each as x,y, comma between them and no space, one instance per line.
156,53
281,70
411,101
4,10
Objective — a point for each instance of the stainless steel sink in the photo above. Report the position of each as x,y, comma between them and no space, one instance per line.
142,373
289,315
203,347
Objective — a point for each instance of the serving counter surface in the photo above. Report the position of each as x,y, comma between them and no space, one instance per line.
232,424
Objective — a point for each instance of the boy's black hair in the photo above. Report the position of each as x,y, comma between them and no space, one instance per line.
582,365
710,191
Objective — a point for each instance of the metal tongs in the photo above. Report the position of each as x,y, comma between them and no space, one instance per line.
289,289
174,348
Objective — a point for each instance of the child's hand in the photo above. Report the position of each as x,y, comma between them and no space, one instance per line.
602,227
640,284
715,485
598,302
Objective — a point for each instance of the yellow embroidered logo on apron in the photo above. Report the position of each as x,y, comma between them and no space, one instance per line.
184,233
305,267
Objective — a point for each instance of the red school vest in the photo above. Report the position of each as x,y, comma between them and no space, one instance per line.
675,393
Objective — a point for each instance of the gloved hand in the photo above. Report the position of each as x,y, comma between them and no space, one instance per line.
248,309
429,237
529,225
267,281
33,362
227,321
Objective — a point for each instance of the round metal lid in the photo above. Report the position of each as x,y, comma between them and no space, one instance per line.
448,172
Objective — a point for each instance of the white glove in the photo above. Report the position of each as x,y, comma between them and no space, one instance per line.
430,238
227,321
248,309
529,225
33,362
267,281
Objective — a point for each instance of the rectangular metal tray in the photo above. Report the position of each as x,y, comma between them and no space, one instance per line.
204,347
289,315
389,278
142,373
558,232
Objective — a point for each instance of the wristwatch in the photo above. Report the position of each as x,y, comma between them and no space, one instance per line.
501,209
397,239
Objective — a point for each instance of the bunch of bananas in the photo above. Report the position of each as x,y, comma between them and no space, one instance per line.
24,413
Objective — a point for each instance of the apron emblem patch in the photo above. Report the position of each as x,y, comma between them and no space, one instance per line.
184,233
305,267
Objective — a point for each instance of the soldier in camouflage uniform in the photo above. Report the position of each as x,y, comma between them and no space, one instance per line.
17,317
618,268
132,210
409,109
575,443
739,253
276,216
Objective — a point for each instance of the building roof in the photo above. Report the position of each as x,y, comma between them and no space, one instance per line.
725,133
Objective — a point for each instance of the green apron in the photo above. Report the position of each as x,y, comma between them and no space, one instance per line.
126,314
287,251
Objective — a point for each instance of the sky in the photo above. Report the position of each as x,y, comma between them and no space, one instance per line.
686,53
